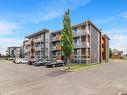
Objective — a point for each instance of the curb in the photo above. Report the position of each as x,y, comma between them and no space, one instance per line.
84,67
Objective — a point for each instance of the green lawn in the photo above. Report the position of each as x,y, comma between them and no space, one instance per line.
6,61
80,66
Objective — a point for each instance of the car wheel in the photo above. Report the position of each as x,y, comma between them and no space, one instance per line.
53,65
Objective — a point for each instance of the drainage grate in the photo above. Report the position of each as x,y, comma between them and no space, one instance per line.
123,93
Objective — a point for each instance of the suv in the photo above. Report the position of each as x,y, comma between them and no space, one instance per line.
31,61
56,63
41,62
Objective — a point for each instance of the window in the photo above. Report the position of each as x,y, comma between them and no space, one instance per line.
75,29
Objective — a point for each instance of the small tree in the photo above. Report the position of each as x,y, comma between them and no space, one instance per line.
67,38
110,53
8,55
13,55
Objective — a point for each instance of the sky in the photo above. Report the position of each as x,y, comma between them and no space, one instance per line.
19,18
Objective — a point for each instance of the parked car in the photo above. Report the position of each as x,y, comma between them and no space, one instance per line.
41,62
17,61
56,63
11,58
23,61
31,61
20,61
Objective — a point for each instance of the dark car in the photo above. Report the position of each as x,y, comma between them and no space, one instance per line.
41,62
56,63
31,61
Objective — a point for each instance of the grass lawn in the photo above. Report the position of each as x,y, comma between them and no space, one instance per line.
6,61
80,66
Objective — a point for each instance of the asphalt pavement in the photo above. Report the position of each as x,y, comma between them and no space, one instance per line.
22,79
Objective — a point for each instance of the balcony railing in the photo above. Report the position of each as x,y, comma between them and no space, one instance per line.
39,48
39,40
27,50
56,56
81,45
32,50
57,47
81,32
57,38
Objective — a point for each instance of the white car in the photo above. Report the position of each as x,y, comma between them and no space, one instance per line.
21,61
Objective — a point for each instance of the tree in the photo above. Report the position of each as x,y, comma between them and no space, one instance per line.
67,38
8,55
13,55
110,53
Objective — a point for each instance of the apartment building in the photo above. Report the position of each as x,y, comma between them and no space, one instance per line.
90,45
14,51
37,45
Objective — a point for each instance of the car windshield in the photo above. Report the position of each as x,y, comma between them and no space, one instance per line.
53,62
25,59
58,61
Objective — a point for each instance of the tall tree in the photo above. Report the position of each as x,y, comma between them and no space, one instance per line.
67,38
110,53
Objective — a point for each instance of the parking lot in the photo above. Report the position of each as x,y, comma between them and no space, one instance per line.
22,79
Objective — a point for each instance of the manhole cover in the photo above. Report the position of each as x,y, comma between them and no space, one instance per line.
123,93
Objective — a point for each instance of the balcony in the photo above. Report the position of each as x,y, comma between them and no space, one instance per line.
58,57
57,47
39,40
57,38
32,43
32,50
80,32
26,50
102,49
81,45
39,49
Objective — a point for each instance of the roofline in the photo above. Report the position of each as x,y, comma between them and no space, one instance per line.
80,24
37,33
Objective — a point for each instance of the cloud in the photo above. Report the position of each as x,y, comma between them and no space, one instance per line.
58,8
6,42
8,27
46,10
118,38
121,16
116,30
125,16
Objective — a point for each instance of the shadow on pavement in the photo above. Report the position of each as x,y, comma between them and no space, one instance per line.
56,73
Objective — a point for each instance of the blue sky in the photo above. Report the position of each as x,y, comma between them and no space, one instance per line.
19,18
